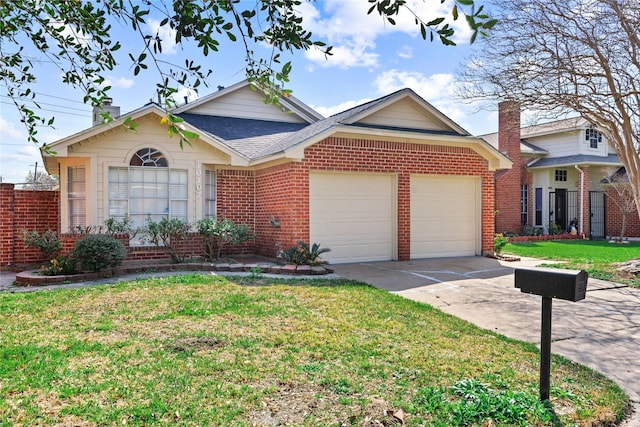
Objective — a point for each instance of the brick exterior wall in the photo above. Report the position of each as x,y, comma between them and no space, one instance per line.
25,210
614,219
508,182
283,191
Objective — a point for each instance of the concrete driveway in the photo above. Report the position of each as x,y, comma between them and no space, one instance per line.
601,331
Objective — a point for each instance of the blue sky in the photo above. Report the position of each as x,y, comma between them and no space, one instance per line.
371,59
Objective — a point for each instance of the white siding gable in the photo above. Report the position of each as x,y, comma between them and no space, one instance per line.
244,103
558,144
405,114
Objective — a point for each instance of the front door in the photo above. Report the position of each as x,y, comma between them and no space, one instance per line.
561,208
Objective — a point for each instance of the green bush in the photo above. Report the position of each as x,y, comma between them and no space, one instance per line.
303,254
530,230
120,226
555,229
499,242
220,232
167,234
96,252
61,265
48,242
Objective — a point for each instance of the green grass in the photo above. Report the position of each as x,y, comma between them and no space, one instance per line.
594,256
205,350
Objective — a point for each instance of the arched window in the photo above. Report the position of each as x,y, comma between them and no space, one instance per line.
147,189
149,157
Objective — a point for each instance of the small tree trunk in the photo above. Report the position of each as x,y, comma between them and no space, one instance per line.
623,228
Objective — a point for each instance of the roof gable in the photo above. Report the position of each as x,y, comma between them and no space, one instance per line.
244,101
403,109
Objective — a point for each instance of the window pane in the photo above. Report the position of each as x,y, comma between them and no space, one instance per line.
76,196
209,194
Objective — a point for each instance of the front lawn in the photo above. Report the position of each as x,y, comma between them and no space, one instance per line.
594,256
205,350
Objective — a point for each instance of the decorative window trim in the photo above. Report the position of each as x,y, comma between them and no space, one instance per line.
561,175
593,137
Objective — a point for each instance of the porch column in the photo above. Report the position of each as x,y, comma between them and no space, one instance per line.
583,200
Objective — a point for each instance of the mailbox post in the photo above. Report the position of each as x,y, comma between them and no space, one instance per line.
570,285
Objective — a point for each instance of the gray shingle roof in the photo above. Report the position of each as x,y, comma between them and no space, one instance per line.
256,139
578,159
229,128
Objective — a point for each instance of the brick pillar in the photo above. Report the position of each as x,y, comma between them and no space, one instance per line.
7,203
404,217
583,200
508,182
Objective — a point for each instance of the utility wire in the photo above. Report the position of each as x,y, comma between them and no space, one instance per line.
46,103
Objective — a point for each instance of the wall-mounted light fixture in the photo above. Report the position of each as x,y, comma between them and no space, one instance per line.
274,221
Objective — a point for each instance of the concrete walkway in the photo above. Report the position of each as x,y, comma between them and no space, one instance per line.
601,331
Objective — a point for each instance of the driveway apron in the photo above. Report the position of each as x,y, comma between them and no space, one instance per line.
601,331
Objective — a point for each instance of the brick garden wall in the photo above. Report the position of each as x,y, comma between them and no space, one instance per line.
25,210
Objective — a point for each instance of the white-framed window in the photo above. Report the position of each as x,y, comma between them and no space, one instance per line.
209,193
148,188
76,197
593,137
561,175
524,204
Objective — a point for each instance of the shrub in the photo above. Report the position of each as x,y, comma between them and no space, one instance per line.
303,254
499,242
61,265
555,229
48,242
220,232
530,230
120,226
166,234
96,252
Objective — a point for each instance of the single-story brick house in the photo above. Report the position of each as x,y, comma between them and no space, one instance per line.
557,177
392,179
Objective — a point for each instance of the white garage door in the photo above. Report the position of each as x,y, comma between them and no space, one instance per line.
445,216
353,215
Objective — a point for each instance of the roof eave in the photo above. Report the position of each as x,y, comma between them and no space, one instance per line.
495,159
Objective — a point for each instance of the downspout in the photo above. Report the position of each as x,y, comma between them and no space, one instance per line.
581,199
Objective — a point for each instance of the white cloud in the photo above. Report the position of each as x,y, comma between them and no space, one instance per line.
405,52
25,154
353,33
8,131
179,96
119,82
166,34
329,111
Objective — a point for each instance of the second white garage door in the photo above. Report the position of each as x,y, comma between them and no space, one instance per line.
445,216
353,215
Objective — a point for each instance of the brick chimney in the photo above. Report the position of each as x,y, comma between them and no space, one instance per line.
106,107
508,183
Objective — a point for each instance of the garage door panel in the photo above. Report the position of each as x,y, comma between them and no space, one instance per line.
353,215
444,216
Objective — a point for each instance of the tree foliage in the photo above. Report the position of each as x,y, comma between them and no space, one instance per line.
568,56
78,36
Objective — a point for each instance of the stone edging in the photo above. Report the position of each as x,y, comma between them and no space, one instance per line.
32,278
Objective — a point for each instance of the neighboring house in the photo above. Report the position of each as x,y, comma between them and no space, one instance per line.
556,179
392,179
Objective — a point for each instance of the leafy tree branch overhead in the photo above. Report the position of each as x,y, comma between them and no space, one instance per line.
561,57
79,37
